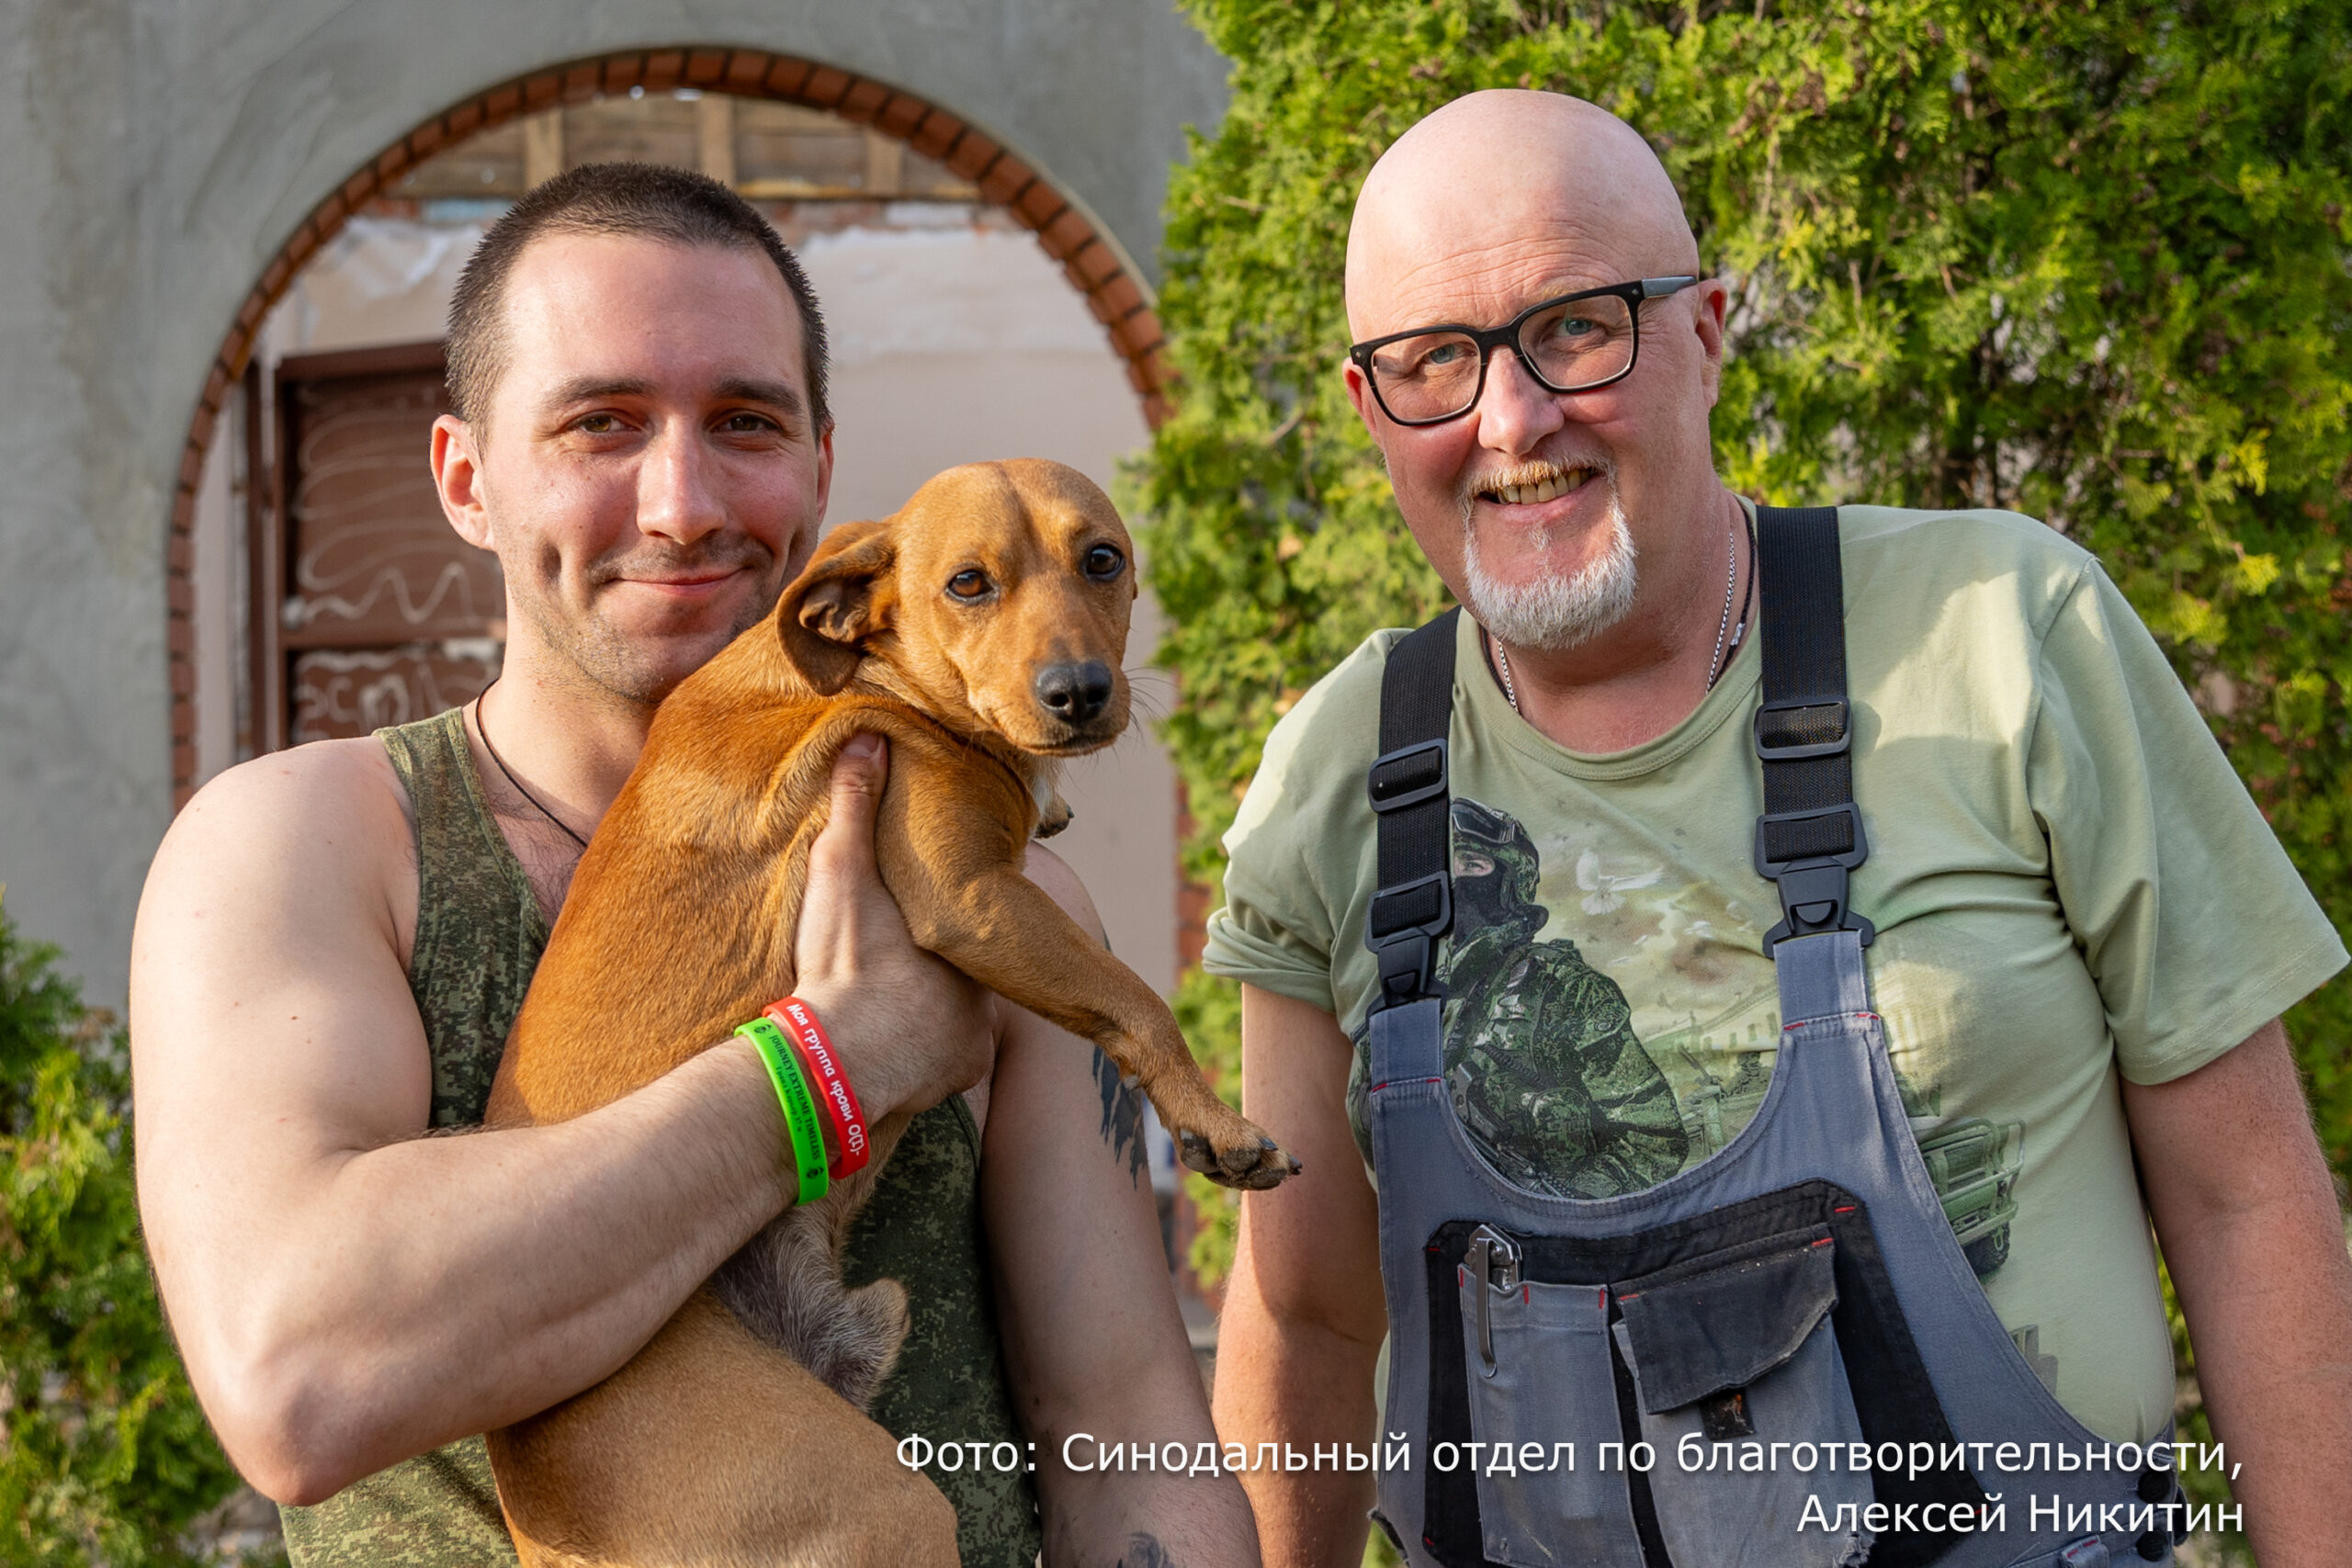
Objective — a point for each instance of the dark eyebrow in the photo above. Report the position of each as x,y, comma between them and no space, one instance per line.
581,388
775,394
778,395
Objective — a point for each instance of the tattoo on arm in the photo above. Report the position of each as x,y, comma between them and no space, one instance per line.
1122,1126
1145,1551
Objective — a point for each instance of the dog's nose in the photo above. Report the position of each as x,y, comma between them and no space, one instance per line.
1073,691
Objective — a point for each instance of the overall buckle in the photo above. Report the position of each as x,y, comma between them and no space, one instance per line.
1407,776
1402,928
1404,924
1792,732
1814,887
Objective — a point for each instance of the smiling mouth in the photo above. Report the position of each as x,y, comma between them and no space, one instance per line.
679,571
695,582
1535,485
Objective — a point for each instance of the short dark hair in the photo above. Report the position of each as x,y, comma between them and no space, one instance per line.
675,206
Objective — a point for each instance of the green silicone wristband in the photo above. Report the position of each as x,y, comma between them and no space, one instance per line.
799,1102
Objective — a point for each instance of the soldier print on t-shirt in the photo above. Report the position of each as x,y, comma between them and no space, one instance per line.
1541,1055
1568,1088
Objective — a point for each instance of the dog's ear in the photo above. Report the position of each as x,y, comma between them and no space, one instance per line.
842,599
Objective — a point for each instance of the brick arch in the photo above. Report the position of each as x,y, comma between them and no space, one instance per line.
1090,259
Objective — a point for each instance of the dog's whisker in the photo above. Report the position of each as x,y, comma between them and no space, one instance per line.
1151,690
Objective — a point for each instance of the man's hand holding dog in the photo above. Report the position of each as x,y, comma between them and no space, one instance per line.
912,1030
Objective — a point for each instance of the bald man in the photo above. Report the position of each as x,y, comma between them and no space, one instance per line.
2084,934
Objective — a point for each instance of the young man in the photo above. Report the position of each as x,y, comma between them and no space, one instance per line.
2084,932
334,940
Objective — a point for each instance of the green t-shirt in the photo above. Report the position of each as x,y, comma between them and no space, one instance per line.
2067,879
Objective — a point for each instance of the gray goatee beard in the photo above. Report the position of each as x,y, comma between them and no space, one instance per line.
1555,614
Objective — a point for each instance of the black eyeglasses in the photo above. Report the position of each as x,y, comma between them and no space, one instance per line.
1572,344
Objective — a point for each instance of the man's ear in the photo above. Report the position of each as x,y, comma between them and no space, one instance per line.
457,475
842,600
1713,300
1359,395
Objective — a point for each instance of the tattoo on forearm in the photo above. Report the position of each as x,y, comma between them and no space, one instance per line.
1121,1124
1145,1551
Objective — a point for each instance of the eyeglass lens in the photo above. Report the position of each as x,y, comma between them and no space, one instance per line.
1580,344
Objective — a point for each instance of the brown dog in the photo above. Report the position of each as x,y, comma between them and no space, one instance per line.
981,631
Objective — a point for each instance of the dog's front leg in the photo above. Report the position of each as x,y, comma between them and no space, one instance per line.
982,915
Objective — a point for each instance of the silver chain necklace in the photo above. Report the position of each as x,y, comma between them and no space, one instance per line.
1722,627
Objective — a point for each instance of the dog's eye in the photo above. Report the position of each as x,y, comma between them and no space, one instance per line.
1103,561
970,583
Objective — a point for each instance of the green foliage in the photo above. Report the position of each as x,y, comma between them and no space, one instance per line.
106,1457
2088,262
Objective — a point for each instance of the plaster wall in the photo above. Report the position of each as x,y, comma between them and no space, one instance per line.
154,154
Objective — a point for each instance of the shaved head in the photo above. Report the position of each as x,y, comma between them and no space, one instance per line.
1585,527
1509,171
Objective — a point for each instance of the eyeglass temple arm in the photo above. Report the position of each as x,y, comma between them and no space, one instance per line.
1654,287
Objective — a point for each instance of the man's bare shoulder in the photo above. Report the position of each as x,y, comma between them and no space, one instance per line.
344,791
268,968
323,824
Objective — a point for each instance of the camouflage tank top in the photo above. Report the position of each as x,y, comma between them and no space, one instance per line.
479,936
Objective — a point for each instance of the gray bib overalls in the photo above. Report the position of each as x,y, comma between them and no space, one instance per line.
1799,1291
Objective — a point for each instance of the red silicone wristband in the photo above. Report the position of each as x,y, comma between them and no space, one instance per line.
798,1021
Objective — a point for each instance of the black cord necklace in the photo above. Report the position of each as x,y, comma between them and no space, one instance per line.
507,773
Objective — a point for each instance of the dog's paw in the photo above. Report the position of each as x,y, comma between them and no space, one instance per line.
1243,1157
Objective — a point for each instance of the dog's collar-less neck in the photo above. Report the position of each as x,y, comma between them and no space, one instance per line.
1031,780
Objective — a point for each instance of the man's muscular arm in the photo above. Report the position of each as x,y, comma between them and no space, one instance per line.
1092,1339
346,1291
2251,1230
1304,1314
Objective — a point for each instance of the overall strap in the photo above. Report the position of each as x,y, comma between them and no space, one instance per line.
1414,906
1810,836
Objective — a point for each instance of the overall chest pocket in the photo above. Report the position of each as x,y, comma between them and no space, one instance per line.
1751,1348
1734,1348
1544,1398
1743,1396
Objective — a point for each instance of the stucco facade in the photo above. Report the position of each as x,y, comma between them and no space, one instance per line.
156,159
